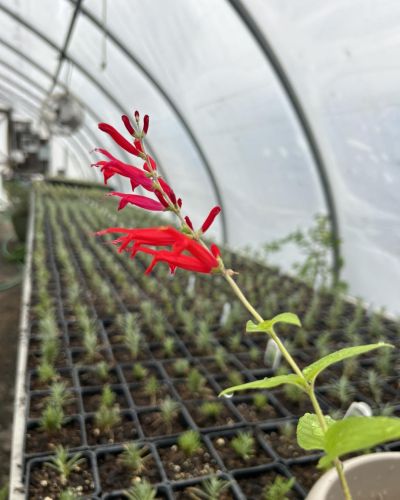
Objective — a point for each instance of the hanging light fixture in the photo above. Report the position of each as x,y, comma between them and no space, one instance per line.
62,113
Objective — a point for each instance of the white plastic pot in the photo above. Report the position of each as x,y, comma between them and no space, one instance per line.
370,477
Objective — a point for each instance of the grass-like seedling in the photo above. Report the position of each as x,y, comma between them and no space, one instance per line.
108,397
294,393
203,338
220,358
49,348
210,489
195,381
235,341
244,445
374,384
152,388
64,464
211,409
69,495
169,410
235,378
322,343
102,369
181,367
59,395
169,347
260,400
342,390
384,362
254,354
279,489
107,418
46,372
189,442
141,491
134,456
51,419
139,372
288,429
132,340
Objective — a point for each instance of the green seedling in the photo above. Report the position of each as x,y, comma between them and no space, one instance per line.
195,381
279,489
181,367
141,491
65,464
189,442
210,489
134,457
211,409
139,372
51,419
244,445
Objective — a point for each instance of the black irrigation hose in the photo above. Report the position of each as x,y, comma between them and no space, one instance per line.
7,285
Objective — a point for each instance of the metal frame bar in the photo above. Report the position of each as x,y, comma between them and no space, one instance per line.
172,105
303,120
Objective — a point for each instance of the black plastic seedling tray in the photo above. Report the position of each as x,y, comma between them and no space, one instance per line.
238,413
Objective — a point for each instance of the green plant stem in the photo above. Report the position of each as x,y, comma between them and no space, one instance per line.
309,388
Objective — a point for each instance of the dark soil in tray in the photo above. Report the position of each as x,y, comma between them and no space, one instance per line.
152,424
206,391
123,355
81,357
38,440
150,370
233,461
225,418
124,431
253,486
158,352
38,403
306,474
178,466
91,401
45,482
215,369
114,475
188,493
285,446
34,359
90,378
141,398
253,414
170,368
63,376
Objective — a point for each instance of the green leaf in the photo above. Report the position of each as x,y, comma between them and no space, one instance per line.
267,325
357,433
312,371
266,383
309,433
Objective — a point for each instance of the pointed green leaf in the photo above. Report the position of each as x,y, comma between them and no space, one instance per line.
309,433
357,433
267,325
312,371
266,383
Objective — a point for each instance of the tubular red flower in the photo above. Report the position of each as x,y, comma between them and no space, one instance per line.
137,200
152,163
168,190
128,124
114,166
161,198
210,218
198,259
146,120
119,139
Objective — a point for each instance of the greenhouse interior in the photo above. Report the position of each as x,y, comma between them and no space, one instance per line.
200,249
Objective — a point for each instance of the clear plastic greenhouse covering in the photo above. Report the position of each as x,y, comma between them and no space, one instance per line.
277,110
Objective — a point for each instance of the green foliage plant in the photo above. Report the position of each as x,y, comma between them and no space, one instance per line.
210,489
315,431
134,457
279,489
141,491
244,445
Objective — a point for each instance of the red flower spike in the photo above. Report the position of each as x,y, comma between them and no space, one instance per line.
177,260
138,201
210,218
146,120
128,125
189,223
119,139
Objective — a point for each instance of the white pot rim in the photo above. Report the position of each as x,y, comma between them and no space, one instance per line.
322,487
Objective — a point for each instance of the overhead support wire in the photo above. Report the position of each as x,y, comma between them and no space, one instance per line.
172,105
82,69
303,120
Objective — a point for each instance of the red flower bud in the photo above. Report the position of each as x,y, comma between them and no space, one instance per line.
119,139
210,218
189,223
128,124
146,124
